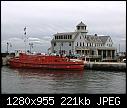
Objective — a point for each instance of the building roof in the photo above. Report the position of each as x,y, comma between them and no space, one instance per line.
104,38
89,38
81,24
65,33
94,39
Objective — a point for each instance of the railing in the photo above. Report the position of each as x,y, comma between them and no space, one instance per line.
93,56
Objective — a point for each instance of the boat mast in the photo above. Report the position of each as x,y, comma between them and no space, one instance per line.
25,38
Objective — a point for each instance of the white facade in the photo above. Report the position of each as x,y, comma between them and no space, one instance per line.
79,42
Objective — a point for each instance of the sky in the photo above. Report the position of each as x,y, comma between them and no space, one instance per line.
42,19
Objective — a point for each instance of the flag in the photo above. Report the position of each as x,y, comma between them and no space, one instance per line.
25,29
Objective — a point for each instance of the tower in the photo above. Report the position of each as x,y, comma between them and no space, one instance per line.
81,27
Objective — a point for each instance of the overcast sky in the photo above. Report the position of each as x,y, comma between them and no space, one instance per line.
45,18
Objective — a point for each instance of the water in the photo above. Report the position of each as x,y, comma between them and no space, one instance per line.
41,81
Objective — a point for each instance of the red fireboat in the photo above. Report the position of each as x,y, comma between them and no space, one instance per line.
45,62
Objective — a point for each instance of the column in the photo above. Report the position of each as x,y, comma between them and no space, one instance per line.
106,53
111,53
102,54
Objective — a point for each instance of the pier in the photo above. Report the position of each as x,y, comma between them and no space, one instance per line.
114,66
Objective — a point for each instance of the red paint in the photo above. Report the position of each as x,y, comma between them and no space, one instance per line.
44,61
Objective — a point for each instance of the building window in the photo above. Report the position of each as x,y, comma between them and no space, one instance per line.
78,27
83,43
77,43
54,44
61,44
82,27
61,37
90,44
70,36
87,44
80,44
69,51
85,27
64,36
93,44
70,44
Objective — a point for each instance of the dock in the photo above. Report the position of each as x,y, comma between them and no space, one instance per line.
114,66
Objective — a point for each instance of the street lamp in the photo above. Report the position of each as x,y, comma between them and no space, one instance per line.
8,46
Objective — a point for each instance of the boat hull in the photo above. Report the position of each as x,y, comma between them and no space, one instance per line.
68,66
46,62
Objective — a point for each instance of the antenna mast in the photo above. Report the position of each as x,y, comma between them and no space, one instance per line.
25,38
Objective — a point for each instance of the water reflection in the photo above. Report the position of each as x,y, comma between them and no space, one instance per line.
52,81
49,74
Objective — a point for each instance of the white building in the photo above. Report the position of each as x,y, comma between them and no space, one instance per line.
79,42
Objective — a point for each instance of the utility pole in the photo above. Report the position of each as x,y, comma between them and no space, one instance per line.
119,48
7,46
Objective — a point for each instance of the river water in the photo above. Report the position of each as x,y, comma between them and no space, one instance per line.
21,81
